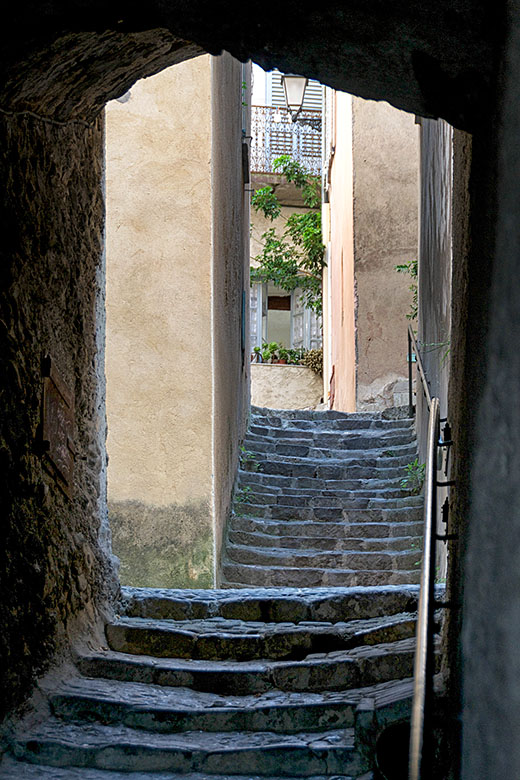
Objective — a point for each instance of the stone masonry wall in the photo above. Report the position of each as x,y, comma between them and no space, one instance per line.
52,568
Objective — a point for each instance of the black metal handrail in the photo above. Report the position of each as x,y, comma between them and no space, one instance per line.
412,347
424,665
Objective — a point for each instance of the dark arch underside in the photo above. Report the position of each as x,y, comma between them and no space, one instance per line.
433,58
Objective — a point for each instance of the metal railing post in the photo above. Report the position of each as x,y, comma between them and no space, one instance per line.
410,376
420,755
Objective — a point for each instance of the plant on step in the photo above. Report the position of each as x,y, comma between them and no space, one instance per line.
248,460
413,481
242,496
313,358
410,267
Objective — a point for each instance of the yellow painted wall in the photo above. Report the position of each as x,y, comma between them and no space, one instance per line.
159,327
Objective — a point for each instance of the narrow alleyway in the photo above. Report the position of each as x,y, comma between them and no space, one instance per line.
260,682
319,502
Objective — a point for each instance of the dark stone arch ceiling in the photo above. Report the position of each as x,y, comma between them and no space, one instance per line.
431,57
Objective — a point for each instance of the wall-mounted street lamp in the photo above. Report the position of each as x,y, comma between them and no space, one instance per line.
294,87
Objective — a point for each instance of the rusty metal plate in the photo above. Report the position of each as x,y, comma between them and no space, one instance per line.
58,427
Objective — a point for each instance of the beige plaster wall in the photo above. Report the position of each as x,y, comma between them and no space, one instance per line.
340,241
278,386
159,325
386,169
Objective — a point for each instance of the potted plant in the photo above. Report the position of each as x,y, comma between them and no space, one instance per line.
283,355
270,352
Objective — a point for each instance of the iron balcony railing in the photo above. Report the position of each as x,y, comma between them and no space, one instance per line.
273,134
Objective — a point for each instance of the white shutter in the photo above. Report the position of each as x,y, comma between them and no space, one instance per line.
315,331
255,322
297,320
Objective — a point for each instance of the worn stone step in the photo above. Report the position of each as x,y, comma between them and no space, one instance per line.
351,440
358,447
380,560
161,709
396,413
241,574
338,671
170,710
347,511
10,769
281,482
310,529
124,749
324,543
311,414
226,639
302,498
271,605
330,468
274,423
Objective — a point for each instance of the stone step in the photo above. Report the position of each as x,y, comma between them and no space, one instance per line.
273,422
368,438
258,479
121,748
297,498
397,413
224,639
337,671
172,710
339,531
354,448
271,605
10,769
347,511
166,710
380,560
235,575
325,543
329,468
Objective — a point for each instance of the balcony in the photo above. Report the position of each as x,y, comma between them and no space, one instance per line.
273,134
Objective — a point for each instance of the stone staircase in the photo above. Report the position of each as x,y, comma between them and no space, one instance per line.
228,685
319,502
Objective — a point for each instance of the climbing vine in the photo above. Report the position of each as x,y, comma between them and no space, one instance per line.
294,258
410,267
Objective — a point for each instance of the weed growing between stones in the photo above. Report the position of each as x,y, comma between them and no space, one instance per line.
413,481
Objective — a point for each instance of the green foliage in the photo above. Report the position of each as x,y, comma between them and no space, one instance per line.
294,258
272,351
295,172
413,481
265,200
248,460
434,345
242,496
411,267
295,356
